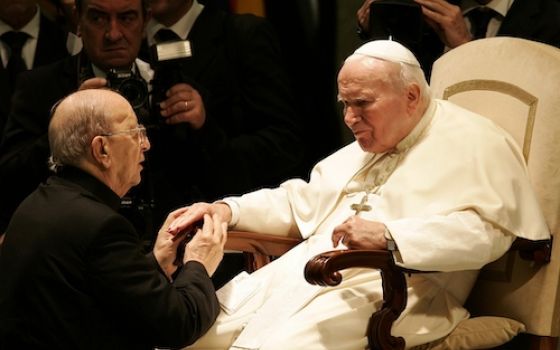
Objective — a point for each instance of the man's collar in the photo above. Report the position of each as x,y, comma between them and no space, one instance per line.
418,130
182,27
500,6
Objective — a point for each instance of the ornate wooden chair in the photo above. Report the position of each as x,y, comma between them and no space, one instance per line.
516,83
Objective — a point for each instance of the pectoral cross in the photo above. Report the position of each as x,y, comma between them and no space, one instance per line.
362,206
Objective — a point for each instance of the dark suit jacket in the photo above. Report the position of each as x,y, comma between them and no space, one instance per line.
51,47
537,20
74,277
24,150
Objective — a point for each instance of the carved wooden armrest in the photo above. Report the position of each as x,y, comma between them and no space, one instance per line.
324,269
259,248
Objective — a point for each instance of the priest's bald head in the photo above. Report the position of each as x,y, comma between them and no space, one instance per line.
384,93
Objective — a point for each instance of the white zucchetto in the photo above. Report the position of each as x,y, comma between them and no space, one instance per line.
388,50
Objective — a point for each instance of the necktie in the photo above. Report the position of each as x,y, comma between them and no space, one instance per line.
164,35
480,17
15,41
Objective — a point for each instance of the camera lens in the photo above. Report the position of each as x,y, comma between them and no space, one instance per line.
134,91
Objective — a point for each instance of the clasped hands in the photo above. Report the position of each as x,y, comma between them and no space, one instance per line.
205,246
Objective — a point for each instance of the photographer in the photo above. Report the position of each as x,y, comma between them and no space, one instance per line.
450,23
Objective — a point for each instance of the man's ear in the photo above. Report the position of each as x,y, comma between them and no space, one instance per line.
100,151
413,95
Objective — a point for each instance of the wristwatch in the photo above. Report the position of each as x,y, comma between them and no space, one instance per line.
391,245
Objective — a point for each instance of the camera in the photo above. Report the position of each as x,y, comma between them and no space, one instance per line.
130,86
167,61
399,20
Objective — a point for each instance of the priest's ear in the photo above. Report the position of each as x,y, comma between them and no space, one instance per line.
100,151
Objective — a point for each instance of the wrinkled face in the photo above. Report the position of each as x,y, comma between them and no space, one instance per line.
169,11
127,145
375,110
112,31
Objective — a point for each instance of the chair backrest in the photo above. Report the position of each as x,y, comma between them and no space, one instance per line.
516,83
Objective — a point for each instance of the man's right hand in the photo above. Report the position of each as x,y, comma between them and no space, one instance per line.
207,245
93,83
447,21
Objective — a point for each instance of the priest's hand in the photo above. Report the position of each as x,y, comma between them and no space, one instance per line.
447,21
357,233
207,245
166,245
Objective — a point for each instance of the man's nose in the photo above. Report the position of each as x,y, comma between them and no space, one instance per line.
145,144
351,115
113,31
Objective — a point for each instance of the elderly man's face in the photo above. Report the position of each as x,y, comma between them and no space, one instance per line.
128,145
374,109
112,31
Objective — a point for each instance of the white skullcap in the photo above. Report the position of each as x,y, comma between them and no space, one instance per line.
388,50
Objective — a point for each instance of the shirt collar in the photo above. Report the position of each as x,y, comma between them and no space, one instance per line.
417,131
500,6
182,27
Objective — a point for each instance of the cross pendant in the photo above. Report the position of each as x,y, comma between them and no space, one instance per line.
362,206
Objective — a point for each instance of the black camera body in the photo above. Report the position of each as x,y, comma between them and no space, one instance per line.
130,86
167,61
399,20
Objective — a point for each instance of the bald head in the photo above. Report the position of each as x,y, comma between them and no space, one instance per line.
77,119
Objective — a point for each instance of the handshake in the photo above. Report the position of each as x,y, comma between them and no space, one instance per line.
190,234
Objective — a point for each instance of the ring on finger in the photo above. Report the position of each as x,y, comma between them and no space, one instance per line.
186,105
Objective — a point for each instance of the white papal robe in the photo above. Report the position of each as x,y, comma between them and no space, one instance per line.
455,202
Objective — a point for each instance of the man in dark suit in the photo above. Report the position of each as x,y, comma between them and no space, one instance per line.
73,272
235,111
45,43
451,23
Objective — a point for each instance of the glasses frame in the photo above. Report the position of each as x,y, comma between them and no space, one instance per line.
140,130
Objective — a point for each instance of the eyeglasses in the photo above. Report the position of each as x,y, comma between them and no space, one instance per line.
140,132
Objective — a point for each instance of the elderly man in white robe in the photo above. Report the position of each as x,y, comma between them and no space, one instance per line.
446,188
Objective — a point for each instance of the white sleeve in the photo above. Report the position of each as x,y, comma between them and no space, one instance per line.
458,241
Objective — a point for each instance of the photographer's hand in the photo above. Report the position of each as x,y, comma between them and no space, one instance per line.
93,83
183,105
362,15
447,21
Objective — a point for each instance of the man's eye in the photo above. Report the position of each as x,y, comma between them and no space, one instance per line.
128,18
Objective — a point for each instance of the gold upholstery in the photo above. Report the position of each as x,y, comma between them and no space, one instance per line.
516,83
